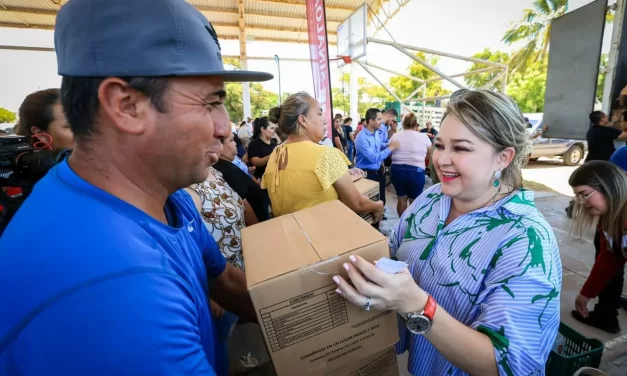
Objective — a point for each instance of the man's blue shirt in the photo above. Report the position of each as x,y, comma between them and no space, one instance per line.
619,157
371,151
91,285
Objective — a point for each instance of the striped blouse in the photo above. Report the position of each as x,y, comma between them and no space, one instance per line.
496,270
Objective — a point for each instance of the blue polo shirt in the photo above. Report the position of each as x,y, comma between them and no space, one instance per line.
91,285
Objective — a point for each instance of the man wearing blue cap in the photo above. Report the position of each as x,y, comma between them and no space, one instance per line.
107,267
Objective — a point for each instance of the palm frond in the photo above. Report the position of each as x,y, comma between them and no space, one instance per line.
522,30
543,6
556,5
521,58
529,15
545,43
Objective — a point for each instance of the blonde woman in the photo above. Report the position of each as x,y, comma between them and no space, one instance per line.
480,295
601,195
300,172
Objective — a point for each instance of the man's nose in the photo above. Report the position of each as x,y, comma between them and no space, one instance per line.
222,122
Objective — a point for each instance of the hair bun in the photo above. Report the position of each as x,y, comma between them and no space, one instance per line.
274,114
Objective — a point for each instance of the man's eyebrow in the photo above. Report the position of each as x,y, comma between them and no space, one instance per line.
221,94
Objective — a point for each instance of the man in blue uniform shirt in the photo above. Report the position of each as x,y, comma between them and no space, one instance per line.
107,266
371,150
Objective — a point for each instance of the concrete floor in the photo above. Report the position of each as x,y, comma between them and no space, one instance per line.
577,259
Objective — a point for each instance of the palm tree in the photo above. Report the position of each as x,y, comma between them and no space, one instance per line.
535,29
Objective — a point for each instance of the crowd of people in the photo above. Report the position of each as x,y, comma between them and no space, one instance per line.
126,259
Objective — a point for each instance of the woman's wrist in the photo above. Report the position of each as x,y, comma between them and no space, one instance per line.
415,302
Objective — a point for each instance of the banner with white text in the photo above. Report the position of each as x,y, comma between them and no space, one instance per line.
319,52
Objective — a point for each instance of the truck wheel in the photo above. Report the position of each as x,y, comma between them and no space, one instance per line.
573,156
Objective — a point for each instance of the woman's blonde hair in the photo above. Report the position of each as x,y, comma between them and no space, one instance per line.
286,115
409,121
610,181
496,119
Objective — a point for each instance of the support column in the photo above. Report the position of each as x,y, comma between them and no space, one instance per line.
612,59
243,58
354,95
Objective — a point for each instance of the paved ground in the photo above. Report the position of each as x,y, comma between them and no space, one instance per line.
577,259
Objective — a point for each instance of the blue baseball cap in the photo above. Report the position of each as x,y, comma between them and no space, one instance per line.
140,38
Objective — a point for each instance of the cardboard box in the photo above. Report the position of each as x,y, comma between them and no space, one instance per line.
380,364
290,261
370,189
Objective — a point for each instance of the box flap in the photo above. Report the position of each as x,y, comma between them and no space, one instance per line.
333,229
275,247
365,185
356,177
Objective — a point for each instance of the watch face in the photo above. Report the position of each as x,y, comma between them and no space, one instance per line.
418,324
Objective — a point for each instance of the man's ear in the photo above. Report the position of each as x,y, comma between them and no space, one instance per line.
125,107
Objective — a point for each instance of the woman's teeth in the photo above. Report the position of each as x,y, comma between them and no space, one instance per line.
450,174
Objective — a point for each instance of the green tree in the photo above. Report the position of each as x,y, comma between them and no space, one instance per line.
479,80
234,101
602,74
6,116
403,86
535,29
528,88
368,95
261,100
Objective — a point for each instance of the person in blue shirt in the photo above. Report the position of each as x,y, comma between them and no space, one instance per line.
386,119
107,266
619,157
372,150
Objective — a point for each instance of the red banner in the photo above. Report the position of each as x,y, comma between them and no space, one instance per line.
319,52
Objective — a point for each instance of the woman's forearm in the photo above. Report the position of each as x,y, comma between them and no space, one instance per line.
466,348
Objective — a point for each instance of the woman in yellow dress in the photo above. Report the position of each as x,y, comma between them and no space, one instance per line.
300,172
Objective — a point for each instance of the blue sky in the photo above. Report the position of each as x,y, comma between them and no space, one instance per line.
457,26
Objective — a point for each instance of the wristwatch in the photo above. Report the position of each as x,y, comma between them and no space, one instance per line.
420,322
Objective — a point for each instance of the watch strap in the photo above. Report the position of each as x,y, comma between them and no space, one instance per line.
429,310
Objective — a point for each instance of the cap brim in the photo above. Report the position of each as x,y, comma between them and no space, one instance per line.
244,76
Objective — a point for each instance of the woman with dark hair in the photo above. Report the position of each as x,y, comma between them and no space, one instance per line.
261,145
601,195
42,118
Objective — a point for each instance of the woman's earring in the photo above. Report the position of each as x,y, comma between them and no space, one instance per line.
497,177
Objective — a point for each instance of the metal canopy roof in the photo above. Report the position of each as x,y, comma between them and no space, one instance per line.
246,20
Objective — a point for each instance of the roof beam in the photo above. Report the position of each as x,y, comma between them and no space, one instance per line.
224,37
202,8
215,24
241,25
303,3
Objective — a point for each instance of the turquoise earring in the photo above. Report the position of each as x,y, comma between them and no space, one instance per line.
497,177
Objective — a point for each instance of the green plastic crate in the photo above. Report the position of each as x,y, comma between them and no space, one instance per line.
579,351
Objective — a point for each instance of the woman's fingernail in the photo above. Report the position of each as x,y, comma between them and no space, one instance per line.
338,291
345,267
336,279
353,258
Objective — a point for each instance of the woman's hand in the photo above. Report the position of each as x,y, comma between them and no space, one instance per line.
397,292
357,172
581,304
378,214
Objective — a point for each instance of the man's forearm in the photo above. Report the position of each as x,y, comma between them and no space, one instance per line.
229,291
